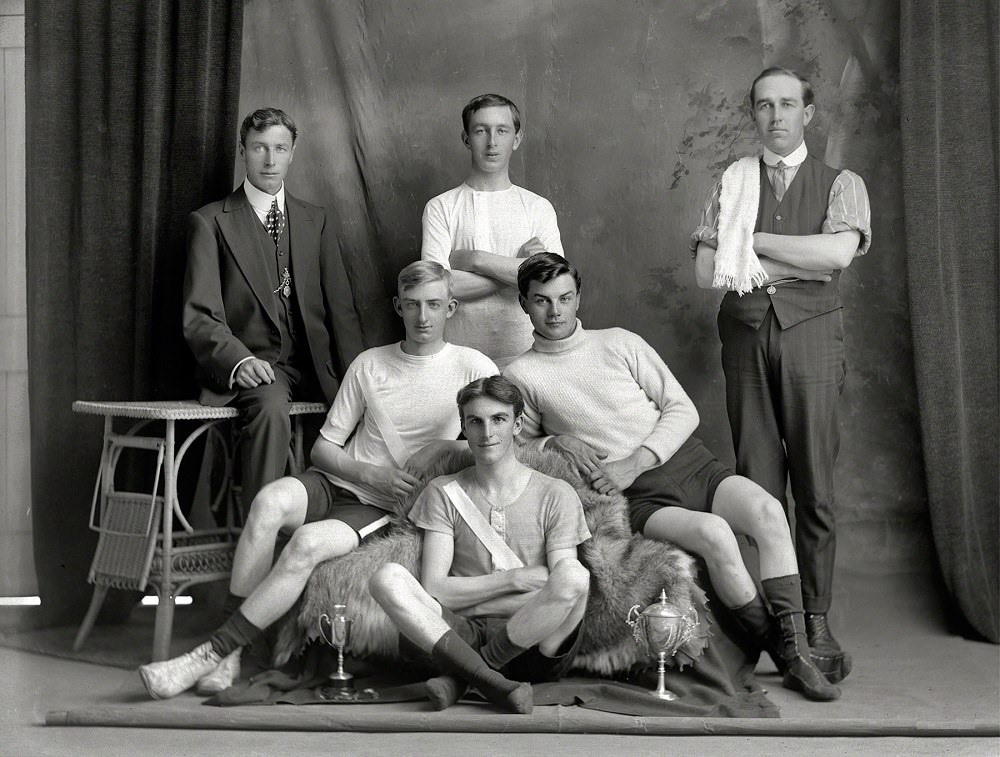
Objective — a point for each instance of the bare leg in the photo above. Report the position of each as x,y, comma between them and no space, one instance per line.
552,614
280,504
310,545
711,537
750,510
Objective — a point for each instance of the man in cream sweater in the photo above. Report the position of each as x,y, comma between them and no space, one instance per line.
608,402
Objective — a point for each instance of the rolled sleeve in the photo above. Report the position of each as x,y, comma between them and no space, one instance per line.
708,228
848,209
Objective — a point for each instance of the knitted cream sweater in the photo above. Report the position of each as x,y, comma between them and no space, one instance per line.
607,388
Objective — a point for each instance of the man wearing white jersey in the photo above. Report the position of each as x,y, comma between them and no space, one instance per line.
483,228
394,409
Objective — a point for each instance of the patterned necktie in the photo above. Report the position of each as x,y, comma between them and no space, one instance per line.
275,221
780,182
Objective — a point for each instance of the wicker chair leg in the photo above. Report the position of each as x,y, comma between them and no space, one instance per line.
163,625
100,592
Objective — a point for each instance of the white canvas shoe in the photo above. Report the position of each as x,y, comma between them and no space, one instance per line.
225,674
171,677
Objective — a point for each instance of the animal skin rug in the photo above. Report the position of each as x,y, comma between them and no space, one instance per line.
626,570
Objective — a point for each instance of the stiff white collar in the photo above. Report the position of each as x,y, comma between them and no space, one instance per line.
261,201
794,158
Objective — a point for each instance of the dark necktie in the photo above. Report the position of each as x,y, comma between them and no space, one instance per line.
275,221
780,182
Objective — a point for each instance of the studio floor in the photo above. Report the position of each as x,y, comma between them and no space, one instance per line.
912,678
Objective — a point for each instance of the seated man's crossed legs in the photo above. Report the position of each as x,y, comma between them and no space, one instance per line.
700,505
491,654
326,522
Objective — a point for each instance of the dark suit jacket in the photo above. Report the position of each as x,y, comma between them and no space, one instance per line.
229,310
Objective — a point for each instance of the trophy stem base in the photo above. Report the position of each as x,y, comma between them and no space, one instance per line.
661,691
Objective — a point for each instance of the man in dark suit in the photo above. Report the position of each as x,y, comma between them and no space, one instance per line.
268,308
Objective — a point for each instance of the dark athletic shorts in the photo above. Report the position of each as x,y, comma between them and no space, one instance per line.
531,666
688,479
327,501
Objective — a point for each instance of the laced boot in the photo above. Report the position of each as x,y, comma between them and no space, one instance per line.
171,677
758,624
826,652
225,675
799,672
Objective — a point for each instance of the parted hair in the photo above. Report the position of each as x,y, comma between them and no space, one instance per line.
264,118
420,272
495,387
489,101
543,267
807,90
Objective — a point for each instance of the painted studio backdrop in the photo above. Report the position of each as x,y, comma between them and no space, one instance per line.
631,110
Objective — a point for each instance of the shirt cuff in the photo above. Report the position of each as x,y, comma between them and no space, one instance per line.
232,373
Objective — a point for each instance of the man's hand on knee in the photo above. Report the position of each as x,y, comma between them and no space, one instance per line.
586,459
254,372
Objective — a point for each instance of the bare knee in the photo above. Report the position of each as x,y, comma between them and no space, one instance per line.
390,584
769,519
569,580
308,547
714,540
276,506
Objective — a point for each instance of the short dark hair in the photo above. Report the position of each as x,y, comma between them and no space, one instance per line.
489,101
264,118
807,90
496,388
543,267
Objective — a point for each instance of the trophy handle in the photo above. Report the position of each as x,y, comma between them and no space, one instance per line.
628,616
322,634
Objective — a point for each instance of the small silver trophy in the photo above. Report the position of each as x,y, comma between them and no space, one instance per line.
661,629
335,630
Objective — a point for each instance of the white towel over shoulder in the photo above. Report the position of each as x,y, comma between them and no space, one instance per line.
736,264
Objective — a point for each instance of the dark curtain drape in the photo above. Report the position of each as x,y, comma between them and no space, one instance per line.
949,99
131,122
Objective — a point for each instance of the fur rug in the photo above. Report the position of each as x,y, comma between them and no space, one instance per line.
626,570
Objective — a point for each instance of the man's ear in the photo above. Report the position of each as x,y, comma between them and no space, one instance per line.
452,307
518,137
397,306
465,139
807,114
518,424
523,302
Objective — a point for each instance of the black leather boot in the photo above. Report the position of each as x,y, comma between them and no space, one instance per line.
825,651
800,674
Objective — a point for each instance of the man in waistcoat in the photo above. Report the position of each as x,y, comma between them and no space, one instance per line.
776,232
268,308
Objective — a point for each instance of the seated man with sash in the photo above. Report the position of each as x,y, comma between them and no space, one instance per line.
393,411
501,593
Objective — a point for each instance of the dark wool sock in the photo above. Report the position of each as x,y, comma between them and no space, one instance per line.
784,593
234,633
500,650
231,605
444,691
457,658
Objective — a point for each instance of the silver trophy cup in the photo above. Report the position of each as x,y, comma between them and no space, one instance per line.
661,629
335,630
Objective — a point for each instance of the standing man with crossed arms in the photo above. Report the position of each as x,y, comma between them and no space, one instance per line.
484,227
777,232
394,412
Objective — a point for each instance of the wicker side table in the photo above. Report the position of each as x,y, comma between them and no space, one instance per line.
137,545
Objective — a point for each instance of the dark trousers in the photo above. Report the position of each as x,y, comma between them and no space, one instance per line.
782,388
264,431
